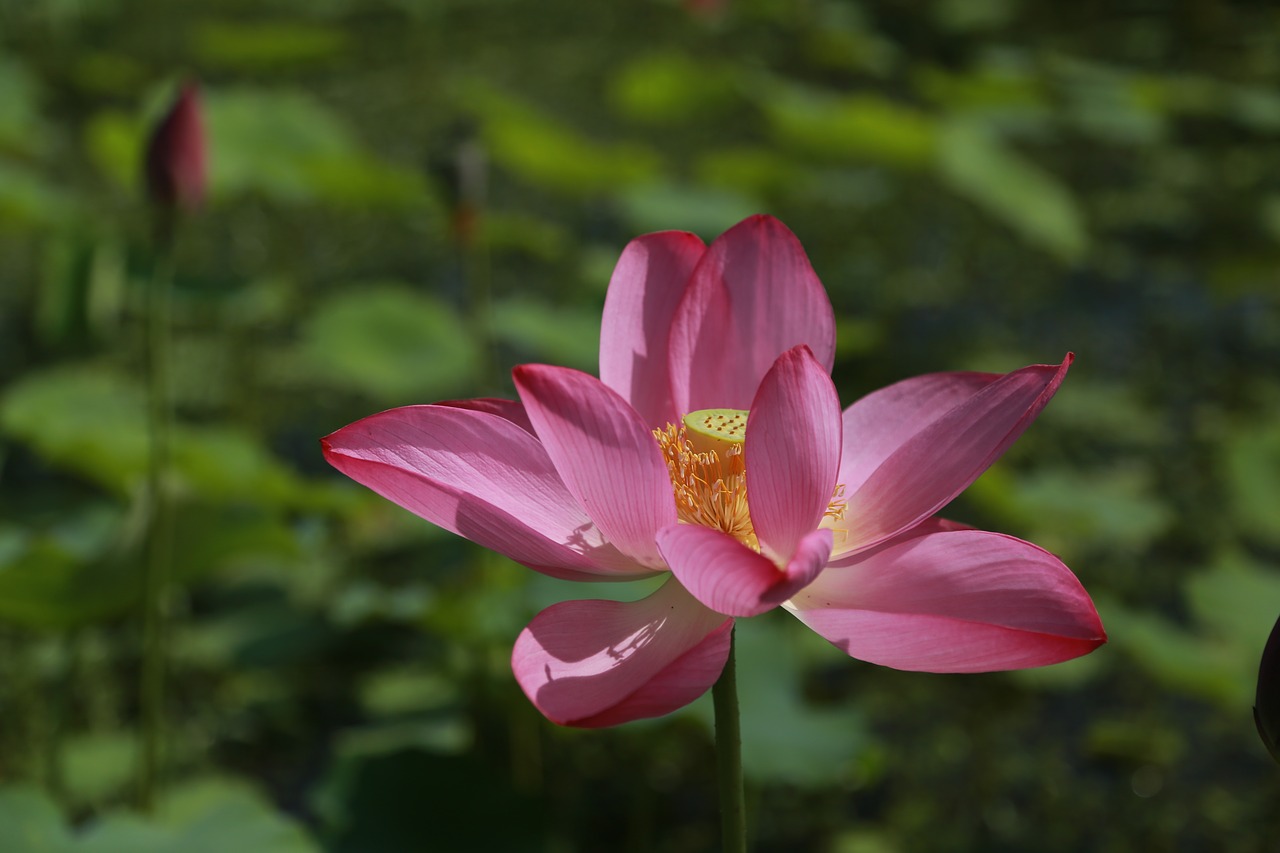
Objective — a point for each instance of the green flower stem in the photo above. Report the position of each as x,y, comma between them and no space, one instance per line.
733,815
159,553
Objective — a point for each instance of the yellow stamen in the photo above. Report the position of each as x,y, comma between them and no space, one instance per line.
710,485
704,456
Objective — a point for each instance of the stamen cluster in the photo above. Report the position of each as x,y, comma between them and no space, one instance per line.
710,486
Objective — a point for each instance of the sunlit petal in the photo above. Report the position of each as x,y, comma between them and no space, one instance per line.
596,663
482,477
647,285
605,454
753,296
956,601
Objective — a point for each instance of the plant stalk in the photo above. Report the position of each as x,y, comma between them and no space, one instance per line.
159,551
733,814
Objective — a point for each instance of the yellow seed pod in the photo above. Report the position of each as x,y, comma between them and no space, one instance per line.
715,429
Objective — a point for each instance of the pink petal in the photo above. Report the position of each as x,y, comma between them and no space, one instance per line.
509,409
599,663
646,287
752,297
957,601
177,155
934,464
605,454
936,524
879,423
792,452
730,578
482,477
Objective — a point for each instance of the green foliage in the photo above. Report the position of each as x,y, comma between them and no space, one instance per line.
267,45
977,165
91,421
390,343
785,738
540,149
288,147
863,125
203,816
669,88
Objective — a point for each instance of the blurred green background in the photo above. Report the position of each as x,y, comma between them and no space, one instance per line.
409,198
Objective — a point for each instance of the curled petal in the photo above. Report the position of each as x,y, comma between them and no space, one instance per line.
646,287
957,601
792,451
753,296
482,477
600,663
730,578
604,452
936,463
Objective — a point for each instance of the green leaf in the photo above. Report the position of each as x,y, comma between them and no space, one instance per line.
670,87
539,148
1178,658
784,738
28,199
20,125
289,147
268,45
99,765
1236,600
82,569
47,410
1030,201
224,464
563,334
1252,455
390,343
863,126
208,816
1070,510
658,207
759,171
114,142
31,823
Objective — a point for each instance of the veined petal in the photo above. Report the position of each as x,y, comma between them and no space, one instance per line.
957,601
792,452
605,454
881,422
933,465
730,578
646,287
936,524
598,663
509,409
753,296
482,477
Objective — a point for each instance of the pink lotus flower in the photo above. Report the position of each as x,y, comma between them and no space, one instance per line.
175,159
712,449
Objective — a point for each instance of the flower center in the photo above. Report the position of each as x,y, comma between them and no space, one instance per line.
709,475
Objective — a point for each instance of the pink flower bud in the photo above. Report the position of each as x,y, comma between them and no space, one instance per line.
176,165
